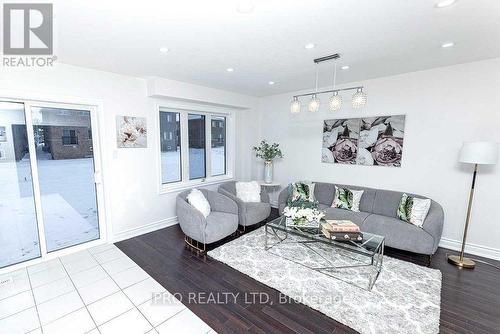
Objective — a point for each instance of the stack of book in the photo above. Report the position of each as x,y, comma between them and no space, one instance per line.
341,230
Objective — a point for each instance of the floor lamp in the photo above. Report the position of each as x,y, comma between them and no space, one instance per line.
476,153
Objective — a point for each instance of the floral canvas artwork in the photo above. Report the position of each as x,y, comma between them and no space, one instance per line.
340,141
371,141
381,141
131,132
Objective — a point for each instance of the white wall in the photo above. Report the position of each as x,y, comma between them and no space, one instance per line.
133,202
444,107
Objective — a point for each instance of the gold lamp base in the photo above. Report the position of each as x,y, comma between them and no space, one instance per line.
464,263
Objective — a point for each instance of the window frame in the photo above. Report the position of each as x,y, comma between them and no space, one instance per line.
225,142
181,171
205,160
70,137
208,111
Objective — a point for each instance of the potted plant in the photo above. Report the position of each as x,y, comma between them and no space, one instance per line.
268,152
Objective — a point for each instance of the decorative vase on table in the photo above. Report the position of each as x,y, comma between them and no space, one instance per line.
268,171
268,152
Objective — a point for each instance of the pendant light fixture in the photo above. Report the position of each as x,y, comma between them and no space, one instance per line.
359,99
295,106
335,102
315,102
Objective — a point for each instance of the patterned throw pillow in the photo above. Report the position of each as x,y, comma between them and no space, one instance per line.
302,191
347,199
413,210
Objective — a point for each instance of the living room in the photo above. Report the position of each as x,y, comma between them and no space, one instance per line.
384,115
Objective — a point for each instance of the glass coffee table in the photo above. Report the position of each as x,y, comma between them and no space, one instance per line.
357,263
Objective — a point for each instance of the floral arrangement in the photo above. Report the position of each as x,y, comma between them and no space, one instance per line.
303,216
267,151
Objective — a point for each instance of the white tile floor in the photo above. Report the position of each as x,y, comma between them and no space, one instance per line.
97,291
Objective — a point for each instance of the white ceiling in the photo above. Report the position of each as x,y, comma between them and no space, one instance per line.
375,38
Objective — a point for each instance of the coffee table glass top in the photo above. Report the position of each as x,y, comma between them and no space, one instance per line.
358,263
369,245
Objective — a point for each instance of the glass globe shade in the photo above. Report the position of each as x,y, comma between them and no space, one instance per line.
359,99
295,106
314,104
335,102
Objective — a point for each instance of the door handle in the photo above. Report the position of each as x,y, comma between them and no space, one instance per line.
97,178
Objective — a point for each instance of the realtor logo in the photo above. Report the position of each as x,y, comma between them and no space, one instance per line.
27,29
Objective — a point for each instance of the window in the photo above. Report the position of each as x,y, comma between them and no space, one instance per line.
170,124
193,148
69,137
218,149
196,130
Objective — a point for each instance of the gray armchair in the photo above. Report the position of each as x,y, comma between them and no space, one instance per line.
200,231
249,213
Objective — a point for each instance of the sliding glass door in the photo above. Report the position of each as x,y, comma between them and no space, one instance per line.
57,208
19,238
65,163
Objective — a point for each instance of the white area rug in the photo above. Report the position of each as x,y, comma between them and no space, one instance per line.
405,299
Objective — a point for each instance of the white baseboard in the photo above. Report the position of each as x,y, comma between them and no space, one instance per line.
133,232
489,252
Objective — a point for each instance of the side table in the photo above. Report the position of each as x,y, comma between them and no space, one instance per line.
271,188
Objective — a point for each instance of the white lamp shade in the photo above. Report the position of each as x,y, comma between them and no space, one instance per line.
481,152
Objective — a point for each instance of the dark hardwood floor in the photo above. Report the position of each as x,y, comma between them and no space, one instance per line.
470,299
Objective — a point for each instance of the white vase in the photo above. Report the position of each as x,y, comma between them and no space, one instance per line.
268,171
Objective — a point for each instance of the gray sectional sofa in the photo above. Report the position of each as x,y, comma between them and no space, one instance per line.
378,214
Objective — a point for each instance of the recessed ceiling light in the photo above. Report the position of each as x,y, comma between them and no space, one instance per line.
271,83
345,67
164,49
445,3
447,45
310,46
245,6
230,69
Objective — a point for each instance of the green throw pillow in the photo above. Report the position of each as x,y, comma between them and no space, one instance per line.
348,199
301,192
404,209
413,210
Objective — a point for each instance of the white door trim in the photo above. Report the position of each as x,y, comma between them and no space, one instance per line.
35,181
